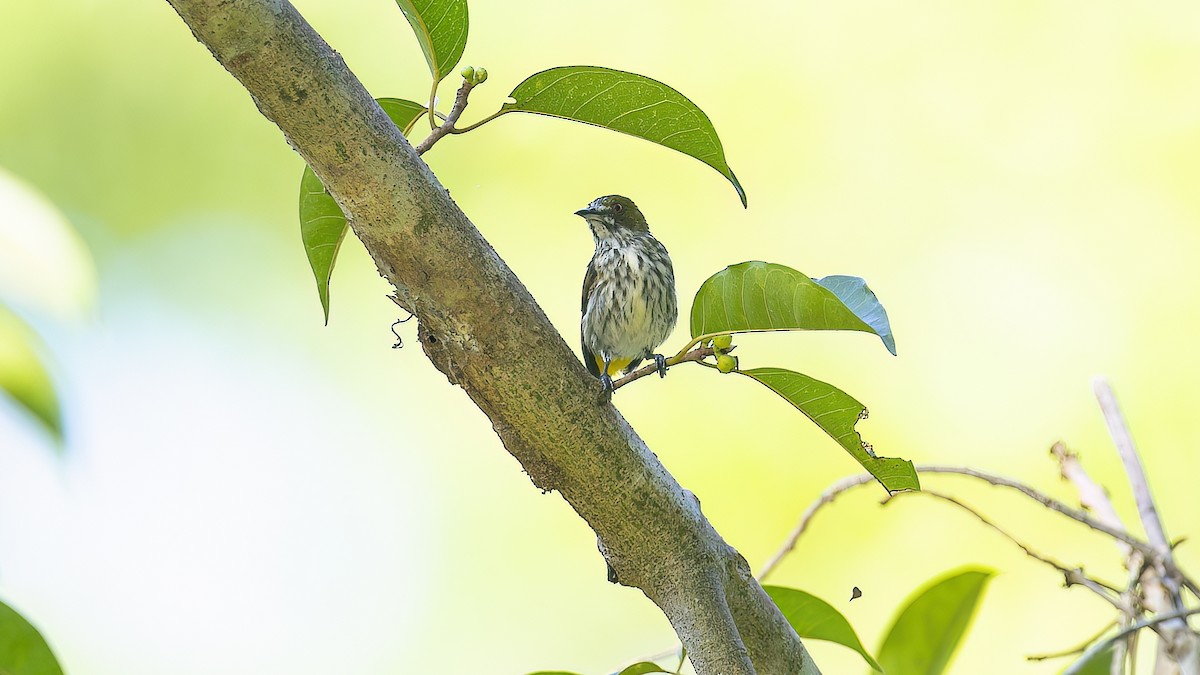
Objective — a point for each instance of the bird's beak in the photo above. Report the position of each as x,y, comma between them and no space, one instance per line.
584,213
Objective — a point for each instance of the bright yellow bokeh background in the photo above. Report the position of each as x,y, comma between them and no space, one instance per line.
246,491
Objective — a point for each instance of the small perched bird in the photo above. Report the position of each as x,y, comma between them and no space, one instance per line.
629,303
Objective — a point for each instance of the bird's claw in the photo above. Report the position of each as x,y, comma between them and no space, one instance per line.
606,388
661,362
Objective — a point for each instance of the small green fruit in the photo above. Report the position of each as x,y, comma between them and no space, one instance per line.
480,75
722,342
468,74
726,363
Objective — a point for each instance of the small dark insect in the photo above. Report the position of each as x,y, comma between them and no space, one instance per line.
855,594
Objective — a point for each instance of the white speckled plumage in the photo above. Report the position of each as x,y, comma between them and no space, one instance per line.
629,306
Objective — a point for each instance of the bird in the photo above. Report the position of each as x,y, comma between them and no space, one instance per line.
628,305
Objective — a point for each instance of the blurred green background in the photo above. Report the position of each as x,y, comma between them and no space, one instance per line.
245,490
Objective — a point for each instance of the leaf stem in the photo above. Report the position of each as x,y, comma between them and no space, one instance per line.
481,122
432,100
708,336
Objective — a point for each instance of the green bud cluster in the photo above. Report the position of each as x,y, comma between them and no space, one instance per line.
722,345
474,76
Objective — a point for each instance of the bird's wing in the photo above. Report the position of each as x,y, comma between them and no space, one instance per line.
589,284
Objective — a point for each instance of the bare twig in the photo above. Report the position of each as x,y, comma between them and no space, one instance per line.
1055,505
1071,576
1140,486
698,354
447,126
1075,514
826,497
1097,648
1094,498
1073,650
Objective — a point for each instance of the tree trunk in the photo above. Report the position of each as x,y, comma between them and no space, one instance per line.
484,331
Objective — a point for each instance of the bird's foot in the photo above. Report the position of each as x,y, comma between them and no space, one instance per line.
606,388
661,362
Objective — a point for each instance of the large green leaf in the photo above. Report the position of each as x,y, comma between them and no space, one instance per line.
22,374
836,412
23,651
628,103
928,630
812,617
761,296
322,223
441,28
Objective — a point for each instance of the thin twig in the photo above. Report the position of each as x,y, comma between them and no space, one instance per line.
1095,498
447,126
1055,505
1075,514
698,354
1072,576
826,497
1073,650
1147,511
1091,652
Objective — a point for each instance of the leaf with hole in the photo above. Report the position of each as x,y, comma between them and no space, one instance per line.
441,29
760,296
929,629
812,617
631,104
322,224
23,375
837,413
23,651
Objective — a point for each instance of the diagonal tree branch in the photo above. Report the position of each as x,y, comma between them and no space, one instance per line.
484,331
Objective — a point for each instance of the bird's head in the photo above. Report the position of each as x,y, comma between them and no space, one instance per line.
612,216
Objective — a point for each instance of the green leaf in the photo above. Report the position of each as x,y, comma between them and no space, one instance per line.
760,296
402,112
23,376
23,651
441,28
860,299
628,103
322,228
836,412
1100,664
925,635
643,668
322,223
812,617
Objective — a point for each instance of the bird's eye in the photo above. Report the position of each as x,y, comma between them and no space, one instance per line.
617,208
